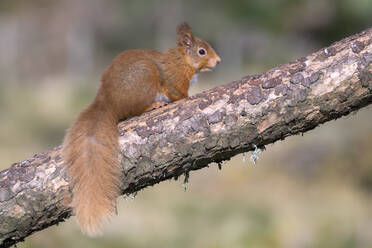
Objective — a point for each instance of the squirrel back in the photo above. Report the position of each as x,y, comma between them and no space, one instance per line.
135,82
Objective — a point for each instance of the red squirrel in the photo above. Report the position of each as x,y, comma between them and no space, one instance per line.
136,81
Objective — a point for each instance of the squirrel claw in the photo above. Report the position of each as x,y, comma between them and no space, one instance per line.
156,105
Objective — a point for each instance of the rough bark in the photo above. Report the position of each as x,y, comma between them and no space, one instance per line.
209,127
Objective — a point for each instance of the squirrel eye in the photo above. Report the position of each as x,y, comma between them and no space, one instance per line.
202,51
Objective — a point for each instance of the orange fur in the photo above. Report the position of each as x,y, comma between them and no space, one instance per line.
131,85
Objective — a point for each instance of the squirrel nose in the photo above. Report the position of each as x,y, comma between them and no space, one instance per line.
218,59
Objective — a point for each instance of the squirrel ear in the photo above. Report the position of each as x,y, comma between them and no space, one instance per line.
184,35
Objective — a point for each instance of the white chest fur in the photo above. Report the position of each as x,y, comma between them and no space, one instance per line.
194,79
162,98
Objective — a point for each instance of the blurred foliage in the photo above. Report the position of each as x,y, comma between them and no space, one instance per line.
311,191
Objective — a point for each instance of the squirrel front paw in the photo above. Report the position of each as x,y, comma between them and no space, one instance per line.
156,105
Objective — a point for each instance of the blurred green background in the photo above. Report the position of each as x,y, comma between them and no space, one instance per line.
310,191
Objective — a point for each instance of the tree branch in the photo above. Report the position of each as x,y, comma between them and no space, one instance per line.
209,127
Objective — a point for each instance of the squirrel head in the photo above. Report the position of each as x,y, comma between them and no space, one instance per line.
199,54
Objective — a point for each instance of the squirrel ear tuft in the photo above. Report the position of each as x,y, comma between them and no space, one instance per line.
184,35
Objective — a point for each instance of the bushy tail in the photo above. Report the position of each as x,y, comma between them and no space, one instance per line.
90,152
